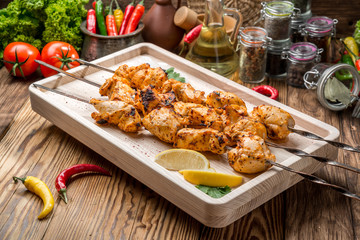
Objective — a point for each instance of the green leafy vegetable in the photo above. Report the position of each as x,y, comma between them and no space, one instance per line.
215,192
38,22
172,74
357,32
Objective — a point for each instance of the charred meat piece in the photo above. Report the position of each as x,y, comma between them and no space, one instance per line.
153,77
220,99
150,99
250,155
247,125
275,120
206,139
116,113
163,123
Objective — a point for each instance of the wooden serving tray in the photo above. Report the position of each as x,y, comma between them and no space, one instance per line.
134,153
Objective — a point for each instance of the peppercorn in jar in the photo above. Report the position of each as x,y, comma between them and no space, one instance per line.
301,58
277,16
252,47
275,64
297,25
319,30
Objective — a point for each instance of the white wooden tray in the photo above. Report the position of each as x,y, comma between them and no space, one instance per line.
134,153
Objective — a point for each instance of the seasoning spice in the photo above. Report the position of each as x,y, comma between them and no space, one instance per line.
277,16
252,54
300,58
297,25
319,31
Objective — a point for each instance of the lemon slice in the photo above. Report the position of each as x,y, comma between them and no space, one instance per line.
212,179
179,159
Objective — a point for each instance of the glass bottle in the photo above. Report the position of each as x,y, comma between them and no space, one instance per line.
252,53
277,16
276,66
213,48
319,30
301,58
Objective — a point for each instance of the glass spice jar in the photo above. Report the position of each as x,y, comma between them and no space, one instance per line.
275,64
319,30
303,5
296,27
252,49
300,58
318,78
277,16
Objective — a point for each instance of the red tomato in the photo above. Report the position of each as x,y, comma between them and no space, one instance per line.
60,55
19,66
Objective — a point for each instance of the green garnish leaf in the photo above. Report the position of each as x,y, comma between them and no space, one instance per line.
172,74
215,192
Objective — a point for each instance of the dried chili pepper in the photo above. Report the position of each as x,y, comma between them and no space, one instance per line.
38,187
267,90
91,21
61,179
110,22
119,16
135,17
128,11
100,17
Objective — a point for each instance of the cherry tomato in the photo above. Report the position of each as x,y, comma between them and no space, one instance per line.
19,58
60,55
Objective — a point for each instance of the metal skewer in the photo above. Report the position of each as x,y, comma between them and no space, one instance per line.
317,180
94,65
66,73
61,93
328,161
316,137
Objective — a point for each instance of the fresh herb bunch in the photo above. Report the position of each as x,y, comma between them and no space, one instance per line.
215,192
172,74
38,22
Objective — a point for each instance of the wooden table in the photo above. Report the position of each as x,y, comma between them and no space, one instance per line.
120,207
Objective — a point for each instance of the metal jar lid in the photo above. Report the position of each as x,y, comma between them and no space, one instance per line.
322,79
256,36
320,25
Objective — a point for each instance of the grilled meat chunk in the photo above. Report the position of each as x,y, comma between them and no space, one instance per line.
220,99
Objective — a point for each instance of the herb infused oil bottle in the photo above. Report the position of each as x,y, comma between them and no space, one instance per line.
213,48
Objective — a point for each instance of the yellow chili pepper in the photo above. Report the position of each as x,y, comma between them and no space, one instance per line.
352,45
38,187
119,16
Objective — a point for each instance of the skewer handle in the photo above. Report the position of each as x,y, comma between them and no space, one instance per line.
325,160
317,180
67,73
316,137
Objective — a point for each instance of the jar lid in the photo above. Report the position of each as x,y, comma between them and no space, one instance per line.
279,47
300,18
319,24
253,35
279,8
303,51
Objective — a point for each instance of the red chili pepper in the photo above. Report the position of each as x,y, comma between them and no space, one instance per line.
267,90
91,21
135,17
357,64
128,11
110,22
61,179
193,34
94,4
